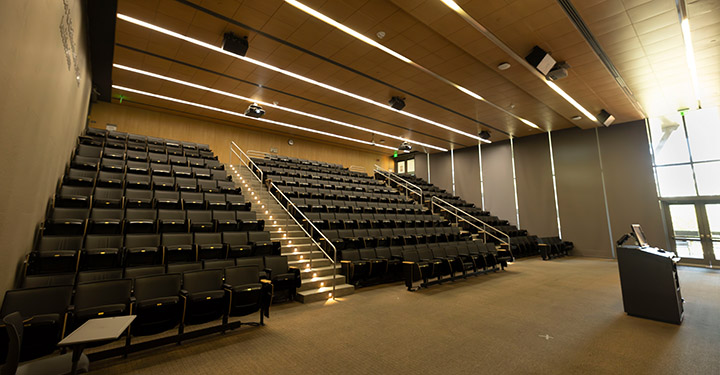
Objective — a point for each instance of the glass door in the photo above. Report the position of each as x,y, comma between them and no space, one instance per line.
695,231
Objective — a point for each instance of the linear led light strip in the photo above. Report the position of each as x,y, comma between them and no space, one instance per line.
375,44
689,52
469,19
240,97
284,124
291,74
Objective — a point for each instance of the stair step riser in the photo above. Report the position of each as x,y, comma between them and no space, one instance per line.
324,294
308,284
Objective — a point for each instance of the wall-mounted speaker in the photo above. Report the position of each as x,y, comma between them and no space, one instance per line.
541,60
235,44
605,118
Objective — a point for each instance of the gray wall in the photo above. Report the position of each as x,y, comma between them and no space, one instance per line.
498,180
580,192
536,199
440,171
43,109
421,166
626,168
467,175
630,184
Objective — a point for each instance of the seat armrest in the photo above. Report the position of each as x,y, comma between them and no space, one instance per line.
227,286
184,293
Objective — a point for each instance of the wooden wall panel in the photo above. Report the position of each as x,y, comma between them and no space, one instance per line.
133,119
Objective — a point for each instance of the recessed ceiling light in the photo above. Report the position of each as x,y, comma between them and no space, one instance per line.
238,114
357,35
272,105
289,73
504,66
576,118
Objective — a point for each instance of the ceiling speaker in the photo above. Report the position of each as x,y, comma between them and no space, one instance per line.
397,102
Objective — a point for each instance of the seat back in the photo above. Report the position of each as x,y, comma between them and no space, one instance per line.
218,264
55,300
203,280
258,237
100,293
156,286
208,238
14,324
277,263
183,267
135,272
142,240
241,275
235,238
89,276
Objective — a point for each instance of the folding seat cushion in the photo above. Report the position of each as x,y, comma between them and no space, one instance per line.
142,249
55,254
355,269
178,160
140,271
101,252
219,174
85,162
58,279
237,244
186,184
262,244
101,299
208,186
110,179
183,267
466,262
228,187
157,169
178,247
349,239
117,136
415,269
192,201
172,221
158,157
96,132
136,198
137,155
225,220
173,150
137,182
89,151
440,266
468,251
248,295
205,297
394,264
200,221
155,141
282,276
99,275
112,165
219,264
212,164
44,322
378,267
138,167
237,202
79,177
167,199
215,201
454,263
181,171
163,183
106,221
157,303
66,221
202,147
73,196
202,173
195,162
107,197
248,221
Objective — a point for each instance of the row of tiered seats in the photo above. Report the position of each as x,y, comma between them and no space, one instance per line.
129,200
359,215
554,247
147,226
430,190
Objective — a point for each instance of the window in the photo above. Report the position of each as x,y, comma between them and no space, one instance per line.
686,155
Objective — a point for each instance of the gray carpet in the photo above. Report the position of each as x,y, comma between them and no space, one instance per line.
559,317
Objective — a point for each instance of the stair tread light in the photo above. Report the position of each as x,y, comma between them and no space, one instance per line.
287,73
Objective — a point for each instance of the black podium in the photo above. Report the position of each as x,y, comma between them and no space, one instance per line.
650,284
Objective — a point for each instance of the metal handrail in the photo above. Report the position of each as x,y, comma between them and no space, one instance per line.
485,225
409,186
332,259
260,178
272,184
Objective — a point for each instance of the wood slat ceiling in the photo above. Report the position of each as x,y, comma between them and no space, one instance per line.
425,31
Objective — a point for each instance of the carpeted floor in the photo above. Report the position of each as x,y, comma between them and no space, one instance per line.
559,317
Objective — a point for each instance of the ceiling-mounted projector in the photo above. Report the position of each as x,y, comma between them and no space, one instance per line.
254,110
405,147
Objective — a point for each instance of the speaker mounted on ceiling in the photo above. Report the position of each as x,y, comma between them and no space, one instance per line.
235,44
541,60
